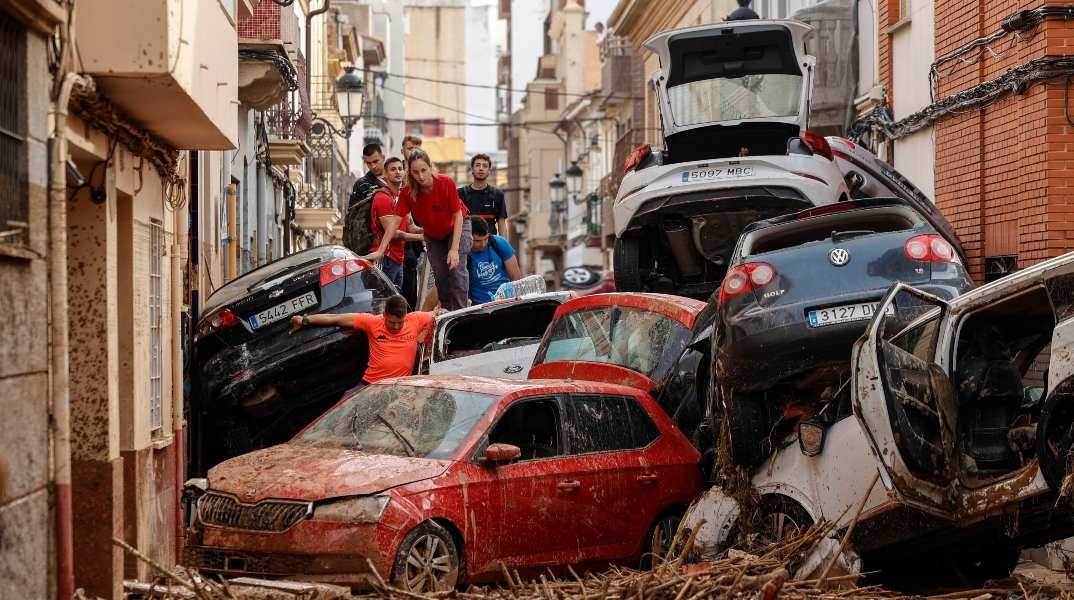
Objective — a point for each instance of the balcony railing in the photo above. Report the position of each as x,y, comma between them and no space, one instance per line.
291,120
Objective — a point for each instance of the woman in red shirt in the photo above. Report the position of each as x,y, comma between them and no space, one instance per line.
434,202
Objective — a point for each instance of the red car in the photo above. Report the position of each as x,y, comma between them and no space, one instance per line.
433,481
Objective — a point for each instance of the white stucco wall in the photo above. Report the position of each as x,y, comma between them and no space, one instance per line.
913,50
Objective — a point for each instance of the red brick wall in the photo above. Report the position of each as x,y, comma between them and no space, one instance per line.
1003,174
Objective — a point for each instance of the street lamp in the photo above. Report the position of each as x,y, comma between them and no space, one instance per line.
574,181
556,187
350,95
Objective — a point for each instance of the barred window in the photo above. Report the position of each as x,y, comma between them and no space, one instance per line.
551,99
14,197
156,388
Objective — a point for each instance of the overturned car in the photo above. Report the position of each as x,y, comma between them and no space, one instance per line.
966,418
734,104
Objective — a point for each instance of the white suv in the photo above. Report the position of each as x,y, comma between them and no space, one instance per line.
734,104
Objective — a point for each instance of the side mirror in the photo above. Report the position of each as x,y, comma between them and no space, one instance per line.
501,452
811,437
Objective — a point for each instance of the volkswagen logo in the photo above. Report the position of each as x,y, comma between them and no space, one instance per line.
839,257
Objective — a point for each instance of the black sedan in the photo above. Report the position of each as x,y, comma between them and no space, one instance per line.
799,291
253,384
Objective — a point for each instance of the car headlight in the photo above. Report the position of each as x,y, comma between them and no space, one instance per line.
360,509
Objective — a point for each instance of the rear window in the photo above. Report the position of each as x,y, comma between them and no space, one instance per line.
758,96
849,224
240,286
640,340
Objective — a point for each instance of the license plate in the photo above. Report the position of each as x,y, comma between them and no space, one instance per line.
282,311
706,174
845,313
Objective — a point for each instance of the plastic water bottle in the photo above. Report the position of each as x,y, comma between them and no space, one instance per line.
527,286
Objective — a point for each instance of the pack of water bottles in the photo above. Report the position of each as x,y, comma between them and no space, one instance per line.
527,286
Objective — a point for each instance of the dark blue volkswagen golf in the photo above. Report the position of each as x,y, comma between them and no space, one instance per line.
799,291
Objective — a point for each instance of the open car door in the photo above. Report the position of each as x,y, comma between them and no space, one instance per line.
905,402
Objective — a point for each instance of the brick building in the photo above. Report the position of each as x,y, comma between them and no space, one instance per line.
1001,168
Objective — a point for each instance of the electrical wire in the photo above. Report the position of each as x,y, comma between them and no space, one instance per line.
463,84
281,63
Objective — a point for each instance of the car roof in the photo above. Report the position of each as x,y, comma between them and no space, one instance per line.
684,310
497,386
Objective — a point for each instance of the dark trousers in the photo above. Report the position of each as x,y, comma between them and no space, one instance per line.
452,286
410,274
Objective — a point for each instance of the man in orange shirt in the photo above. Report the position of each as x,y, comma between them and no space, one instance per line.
393,336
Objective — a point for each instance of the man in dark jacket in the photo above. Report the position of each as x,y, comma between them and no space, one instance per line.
743,12
374,177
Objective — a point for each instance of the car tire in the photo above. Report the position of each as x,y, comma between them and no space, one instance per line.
627,258
667,524
427,561
782,517
747,428
579,277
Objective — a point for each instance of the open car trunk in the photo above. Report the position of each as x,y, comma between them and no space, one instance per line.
731,90
495,340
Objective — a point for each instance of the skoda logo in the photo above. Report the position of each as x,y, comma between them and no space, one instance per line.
250,493
839,257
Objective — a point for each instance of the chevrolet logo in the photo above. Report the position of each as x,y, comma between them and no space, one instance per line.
275,294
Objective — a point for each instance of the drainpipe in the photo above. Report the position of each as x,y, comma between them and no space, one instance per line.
61,393
262,234
309,61
232,232
178,250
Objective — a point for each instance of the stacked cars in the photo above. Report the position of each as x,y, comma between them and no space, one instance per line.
842,339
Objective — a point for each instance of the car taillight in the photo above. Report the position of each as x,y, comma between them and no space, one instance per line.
215,322
744,278
930,248
636,156
823,210
817,144
341,268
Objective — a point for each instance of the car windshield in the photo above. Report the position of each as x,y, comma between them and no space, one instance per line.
640,340
241,285
764,95
402,420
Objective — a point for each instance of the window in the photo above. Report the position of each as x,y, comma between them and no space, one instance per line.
551,99
601,424
14,215
156,249
532,425
904,10
425,127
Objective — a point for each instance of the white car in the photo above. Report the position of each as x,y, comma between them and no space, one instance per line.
965,416
495,339
734,104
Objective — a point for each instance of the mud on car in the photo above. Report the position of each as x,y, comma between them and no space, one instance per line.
436,481
966,418
734,106
253,383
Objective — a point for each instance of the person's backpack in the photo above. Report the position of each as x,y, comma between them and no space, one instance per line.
357,223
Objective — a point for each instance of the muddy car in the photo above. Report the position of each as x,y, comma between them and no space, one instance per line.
495,339
734,105
655,343
966,418
253,383
439,481
800,291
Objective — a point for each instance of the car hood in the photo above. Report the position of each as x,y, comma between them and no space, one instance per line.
303,473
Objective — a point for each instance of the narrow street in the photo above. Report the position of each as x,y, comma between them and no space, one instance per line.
583,299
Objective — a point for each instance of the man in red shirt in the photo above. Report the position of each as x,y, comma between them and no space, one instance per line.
393,336
389,249
434,201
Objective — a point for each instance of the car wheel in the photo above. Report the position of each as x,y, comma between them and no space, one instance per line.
663,532
747,428
580,277
627,257
781,518
428,561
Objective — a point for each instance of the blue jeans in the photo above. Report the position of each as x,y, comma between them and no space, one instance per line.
393,271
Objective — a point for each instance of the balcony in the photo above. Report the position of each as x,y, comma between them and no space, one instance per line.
159,62
622,71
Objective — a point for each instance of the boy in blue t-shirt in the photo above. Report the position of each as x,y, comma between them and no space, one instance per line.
492,263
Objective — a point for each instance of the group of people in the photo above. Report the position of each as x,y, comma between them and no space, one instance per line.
417,210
